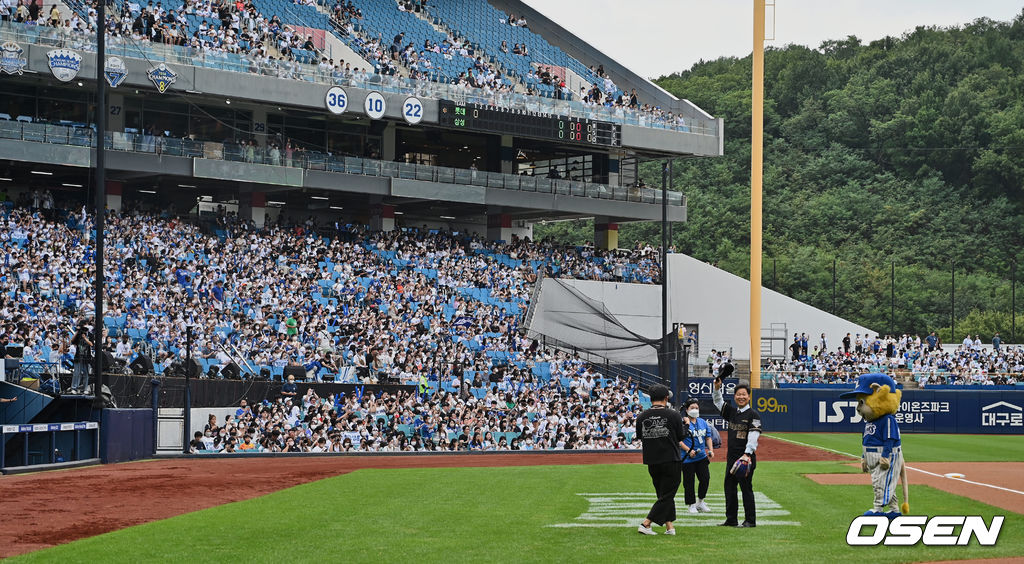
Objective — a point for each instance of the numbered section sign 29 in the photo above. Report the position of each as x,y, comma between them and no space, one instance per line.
412,110
336,100
374,105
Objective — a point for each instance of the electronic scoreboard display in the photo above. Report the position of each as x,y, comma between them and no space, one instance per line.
524,123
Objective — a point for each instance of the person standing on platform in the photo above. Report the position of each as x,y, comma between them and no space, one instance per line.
744,429
83,356
661,431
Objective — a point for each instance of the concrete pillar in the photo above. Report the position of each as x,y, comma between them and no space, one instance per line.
382,218
114,189
253,205
115,111
499,227
508,155
388,142
259,126
606,234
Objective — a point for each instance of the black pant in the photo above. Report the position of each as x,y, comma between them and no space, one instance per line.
666,483
700,470
746,486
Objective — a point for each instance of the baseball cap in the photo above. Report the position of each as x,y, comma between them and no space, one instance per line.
864,384
659,392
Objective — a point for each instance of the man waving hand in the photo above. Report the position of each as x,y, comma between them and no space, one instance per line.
744,429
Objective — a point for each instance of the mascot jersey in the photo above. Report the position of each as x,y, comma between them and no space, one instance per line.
882,432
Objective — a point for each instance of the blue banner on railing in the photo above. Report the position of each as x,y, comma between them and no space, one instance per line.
921,411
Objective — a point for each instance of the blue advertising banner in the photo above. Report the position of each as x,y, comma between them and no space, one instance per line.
921,411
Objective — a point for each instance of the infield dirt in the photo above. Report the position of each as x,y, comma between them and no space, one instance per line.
49,508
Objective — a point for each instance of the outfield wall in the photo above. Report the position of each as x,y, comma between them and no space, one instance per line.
921,411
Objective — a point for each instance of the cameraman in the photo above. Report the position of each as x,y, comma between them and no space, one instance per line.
83,355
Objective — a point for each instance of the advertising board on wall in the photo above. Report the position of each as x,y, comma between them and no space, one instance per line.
921,411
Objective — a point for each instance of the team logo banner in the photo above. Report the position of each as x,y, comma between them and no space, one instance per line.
115,71
162,77
64,64
11,61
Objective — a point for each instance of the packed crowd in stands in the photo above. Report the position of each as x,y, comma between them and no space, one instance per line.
392,306
271,47
526,414
925,361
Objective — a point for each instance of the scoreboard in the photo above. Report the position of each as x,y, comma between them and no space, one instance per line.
524,123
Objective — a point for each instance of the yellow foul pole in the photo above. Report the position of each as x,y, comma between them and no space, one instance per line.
756,148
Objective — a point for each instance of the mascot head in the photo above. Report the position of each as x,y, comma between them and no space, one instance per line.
877,395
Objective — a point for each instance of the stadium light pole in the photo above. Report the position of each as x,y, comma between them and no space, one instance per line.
1013,302
952,301
892,300
187,400
756,164
663,363
99,196
833,285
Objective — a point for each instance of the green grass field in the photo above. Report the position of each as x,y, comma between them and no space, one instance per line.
926,447
504,514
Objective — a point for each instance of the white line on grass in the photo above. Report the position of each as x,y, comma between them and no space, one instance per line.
967,481
678,522
908,467
815,446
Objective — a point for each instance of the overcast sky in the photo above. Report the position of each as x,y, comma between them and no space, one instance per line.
659,37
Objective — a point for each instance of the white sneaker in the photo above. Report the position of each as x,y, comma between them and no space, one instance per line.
693,508
703,507
670,532
645,530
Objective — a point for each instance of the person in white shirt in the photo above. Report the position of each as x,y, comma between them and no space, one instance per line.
123,350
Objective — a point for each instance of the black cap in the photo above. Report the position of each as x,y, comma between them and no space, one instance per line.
659,392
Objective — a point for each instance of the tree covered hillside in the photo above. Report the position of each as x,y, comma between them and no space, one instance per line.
906,150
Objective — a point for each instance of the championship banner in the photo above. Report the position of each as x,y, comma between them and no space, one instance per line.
64,64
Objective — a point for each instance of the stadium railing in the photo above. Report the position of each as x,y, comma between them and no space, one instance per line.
83,136
187,56
806,377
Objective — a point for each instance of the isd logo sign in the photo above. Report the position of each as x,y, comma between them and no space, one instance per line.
162,77
115,71
64,63
11,61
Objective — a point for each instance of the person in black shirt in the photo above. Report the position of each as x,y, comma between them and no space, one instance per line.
661,430
83,356
744,430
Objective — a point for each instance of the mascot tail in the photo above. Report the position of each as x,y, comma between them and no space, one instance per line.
905,507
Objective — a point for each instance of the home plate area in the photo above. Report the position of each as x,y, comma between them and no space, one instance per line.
622,509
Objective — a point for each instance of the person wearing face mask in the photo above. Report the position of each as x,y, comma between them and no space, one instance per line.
744,429
697,455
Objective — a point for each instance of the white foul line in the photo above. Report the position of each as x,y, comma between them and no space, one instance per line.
967,481
908,467
815,446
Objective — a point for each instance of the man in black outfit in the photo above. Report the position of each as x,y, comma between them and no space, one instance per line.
661,430
744,430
